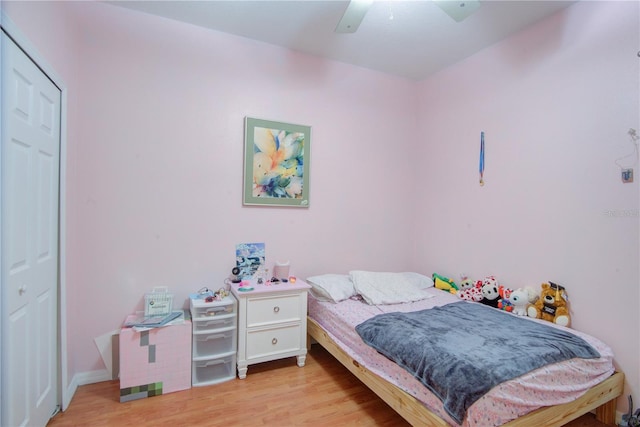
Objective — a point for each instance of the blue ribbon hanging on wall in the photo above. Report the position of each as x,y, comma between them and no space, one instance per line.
481,158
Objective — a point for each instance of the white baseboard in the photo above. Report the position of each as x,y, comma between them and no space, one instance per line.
84,378
92,377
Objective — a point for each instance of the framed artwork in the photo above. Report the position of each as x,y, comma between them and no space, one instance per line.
276,163
250,257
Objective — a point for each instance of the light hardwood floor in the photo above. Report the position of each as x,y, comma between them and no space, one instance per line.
278,393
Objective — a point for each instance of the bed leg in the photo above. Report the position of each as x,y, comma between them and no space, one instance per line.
606,413
310,340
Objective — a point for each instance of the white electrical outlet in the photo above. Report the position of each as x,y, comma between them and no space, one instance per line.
627,175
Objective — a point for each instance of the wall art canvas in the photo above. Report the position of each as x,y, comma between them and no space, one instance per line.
276,163
250,258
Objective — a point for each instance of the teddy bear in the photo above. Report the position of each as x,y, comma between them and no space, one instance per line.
551,305
470,290
490,292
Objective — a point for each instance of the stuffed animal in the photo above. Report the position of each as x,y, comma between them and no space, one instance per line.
470,290
504,302
490,293
520,299
444,283
465,283
552,305
532,293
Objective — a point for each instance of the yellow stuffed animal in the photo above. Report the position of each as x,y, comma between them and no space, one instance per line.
552,305
444,283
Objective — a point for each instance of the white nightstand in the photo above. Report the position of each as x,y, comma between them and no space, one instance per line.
272,322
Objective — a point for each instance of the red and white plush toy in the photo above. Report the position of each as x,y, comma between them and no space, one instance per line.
470,290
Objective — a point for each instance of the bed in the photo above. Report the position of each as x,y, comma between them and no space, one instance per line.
551,396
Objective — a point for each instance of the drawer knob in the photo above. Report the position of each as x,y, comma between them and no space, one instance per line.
276,309
274,341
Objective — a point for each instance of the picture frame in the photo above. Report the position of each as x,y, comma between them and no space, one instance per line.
250,259
276,163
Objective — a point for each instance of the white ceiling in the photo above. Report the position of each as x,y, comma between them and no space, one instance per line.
412,39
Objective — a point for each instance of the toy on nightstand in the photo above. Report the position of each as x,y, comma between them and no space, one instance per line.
552,305
234,278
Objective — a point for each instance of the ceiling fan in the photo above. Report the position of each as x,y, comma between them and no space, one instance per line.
357,9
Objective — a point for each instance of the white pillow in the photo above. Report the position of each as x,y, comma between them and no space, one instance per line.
390,288
333,287
418,279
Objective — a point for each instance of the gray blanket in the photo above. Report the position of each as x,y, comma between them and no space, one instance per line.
461,350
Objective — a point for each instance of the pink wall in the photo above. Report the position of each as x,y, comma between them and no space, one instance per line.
158,157
52,29
555,103
156,144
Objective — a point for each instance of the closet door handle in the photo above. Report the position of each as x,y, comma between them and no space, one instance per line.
274,341
276,309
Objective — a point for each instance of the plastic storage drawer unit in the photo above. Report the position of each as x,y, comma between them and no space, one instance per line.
214,340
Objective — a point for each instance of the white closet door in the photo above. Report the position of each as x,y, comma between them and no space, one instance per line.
30,186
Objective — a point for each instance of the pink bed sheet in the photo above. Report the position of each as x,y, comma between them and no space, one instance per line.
551,385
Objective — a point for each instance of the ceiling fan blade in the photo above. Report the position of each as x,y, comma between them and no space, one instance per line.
459,10
353,16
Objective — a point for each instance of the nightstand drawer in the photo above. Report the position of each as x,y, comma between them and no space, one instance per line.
264,311
273,341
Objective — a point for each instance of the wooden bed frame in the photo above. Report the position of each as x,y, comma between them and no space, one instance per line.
601,398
